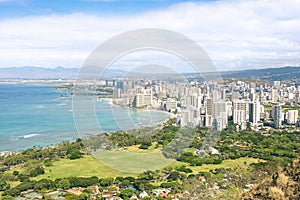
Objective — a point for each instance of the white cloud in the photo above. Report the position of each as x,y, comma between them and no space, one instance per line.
235,34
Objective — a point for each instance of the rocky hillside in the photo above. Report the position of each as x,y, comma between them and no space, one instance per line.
283,185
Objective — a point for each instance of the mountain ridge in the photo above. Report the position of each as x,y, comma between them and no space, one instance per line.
33,72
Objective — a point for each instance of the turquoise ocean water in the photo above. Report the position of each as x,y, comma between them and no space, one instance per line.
36,114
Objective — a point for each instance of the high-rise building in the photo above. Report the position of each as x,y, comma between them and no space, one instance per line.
183,117
274,95
117,93
277,116
241,113
254,112
209,106
120,85
252,94
170,105
235,96
220,118
142,98
292,116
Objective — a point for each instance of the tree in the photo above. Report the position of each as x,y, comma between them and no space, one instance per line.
130,179
23,177
83,181
183,168
13,192
125,182
44,184
63,184
106,182
174,176
141,187
118,180
37,171
75,154
16,173
126,193
147,175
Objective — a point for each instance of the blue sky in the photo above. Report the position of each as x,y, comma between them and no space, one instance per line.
236,34
21,8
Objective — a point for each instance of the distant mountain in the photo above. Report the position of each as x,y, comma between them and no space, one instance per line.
30,72
271,74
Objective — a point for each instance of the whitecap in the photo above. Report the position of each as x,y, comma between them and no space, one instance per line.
30,135
41,106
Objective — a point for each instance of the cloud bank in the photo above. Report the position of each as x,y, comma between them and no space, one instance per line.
235,34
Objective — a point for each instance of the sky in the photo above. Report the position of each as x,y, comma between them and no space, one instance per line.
236,34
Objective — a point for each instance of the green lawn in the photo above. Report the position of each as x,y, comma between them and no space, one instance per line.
108,164
126,163
238,163
134,162
85,167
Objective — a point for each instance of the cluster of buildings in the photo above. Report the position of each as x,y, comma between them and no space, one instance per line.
212,104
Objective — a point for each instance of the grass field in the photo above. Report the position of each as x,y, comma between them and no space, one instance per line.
134,162
128,162
85,167
238,163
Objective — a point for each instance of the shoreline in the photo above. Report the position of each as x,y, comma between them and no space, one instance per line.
109,100
28,136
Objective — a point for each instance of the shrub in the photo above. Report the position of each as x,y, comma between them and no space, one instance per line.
143,146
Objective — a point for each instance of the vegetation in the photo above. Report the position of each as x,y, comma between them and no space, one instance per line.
133,162
86,166
282,184
243,158
280,146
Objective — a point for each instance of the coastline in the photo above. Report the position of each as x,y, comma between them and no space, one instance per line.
6,153
110,101
42,135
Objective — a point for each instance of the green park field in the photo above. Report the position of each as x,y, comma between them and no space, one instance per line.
84,167
127,163
242,163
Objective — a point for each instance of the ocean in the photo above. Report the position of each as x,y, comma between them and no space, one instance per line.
37,114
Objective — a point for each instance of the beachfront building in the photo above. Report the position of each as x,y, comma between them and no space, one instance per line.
170,105
142,98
